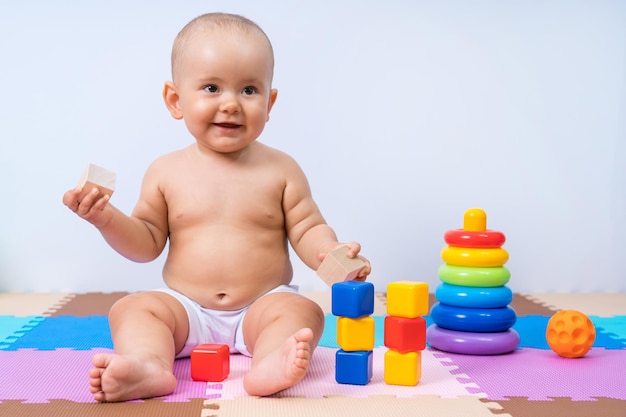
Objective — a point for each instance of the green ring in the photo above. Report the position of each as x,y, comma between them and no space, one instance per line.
474,277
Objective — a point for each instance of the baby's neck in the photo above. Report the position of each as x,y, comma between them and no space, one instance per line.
214,155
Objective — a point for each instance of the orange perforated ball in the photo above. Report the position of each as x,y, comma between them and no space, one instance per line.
570,334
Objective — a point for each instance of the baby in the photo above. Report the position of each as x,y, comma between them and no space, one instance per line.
229,205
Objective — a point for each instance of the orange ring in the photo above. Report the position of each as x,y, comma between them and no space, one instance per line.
469,239
480,257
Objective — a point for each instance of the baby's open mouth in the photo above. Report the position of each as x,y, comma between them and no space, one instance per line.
227,125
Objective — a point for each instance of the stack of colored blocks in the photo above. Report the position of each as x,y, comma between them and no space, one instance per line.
405,332
353,304
472,316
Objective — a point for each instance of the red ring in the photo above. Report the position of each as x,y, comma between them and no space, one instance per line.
469,239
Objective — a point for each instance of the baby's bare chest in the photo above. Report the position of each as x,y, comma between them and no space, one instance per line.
238,202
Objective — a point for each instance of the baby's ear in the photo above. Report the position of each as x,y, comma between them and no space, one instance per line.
171,98
271,101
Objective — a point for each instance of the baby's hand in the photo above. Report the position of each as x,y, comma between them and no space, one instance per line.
353,252
91,207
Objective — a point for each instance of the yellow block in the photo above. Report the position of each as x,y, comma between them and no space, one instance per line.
402,368
407,299
355,334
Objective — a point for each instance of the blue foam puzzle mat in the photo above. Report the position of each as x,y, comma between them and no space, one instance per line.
11,325
615,325
80,333
84,333
532,331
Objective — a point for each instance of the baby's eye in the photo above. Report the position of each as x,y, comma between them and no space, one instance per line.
211,88
248,91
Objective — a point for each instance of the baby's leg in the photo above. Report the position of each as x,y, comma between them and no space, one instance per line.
147,330
281,331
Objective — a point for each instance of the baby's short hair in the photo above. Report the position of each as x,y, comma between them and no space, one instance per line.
216,21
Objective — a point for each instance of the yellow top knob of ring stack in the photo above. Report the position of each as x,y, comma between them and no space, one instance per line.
475,220
474,245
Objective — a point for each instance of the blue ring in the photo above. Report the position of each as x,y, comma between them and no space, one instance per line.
468,343
474,297
479,320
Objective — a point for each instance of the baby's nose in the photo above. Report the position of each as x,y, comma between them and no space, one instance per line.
230,104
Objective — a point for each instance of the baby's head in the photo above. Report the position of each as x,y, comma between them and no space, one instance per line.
222,69
219,24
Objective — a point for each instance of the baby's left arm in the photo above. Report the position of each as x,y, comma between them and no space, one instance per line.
310,236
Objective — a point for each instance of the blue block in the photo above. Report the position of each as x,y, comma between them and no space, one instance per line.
352,299
353,367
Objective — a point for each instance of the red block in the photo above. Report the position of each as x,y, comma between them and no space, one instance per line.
210,363
405,335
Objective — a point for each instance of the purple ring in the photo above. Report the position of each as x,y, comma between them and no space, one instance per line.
469,343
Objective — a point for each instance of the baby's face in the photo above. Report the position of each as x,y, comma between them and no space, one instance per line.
224,87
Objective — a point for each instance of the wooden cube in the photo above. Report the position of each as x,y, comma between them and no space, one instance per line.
210,362
407,299
96,176
337,267
405,335
356,334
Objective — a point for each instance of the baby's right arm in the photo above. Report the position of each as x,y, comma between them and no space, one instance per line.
140,237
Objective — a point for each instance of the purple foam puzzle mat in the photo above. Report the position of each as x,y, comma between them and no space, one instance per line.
40,375
540,374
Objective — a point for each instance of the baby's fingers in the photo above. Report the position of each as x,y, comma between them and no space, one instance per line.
354,249
365,271
89,201
71,198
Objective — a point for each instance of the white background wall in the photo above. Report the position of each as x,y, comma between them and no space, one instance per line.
402,113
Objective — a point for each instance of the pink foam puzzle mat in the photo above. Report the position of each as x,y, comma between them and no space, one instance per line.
47,341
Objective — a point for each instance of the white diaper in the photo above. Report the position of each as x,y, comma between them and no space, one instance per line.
216,326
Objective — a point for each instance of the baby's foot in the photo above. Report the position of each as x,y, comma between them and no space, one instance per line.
282,368
121,378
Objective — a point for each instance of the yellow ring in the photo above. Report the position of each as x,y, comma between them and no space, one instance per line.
474,256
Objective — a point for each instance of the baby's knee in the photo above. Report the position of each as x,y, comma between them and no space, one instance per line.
122,305
135,303
312,310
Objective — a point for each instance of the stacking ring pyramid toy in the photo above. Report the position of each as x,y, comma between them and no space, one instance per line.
472,315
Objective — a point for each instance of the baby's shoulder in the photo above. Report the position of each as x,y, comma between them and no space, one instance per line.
273,155
163,166
169,160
